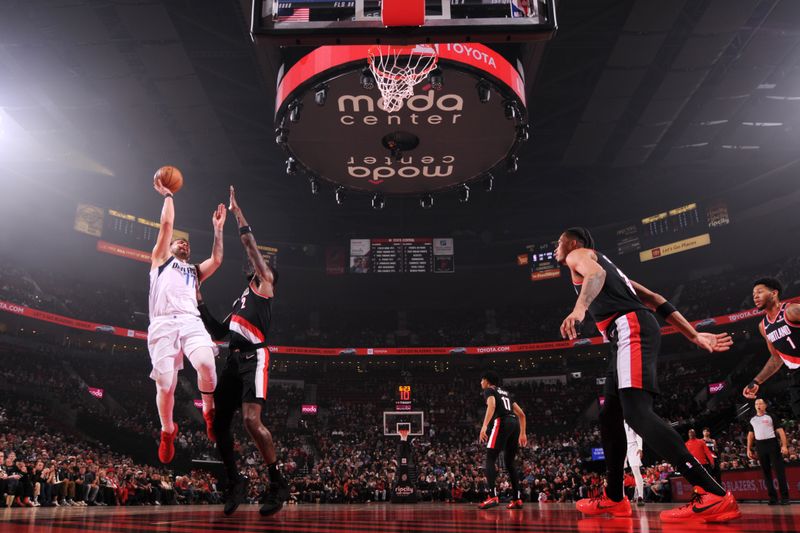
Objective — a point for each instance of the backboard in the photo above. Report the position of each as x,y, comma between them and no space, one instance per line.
332,22
395,420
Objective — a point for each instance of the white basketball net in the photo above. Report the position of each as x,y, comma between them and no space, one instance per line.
397,69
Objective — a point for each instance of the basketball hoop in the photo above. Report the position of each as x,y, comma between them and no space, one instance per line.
397,69
403,434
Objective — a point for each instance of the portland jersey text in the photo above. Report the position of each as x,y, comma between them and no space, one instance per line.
784,337
173,289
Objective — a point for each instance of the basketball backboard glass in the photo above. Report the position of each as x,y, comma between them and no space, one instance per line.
394,421
321,22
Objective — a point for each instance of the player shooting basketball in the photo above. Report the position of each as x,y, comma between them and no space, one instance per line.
245,378
175,327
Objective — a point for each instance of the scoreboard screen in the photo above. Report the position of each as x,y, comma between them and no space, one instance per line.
136,232
676,230
270,255
407,255
120,234
542,261
403,401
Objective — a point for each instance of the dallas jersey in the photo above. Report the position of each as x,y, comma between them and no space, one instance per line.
250,319
173,289
784,336
617,297
502,402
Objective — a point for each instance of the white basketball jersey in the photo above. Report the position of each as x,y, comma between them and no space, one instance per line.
173,289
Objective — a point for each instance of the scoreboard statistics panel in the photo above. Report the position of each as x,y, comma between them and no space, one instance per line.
135,232
542,260
676,230
270,255
401,255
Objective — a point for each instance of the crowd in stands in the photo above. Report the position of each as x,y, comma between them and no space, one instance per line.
339,455
710,295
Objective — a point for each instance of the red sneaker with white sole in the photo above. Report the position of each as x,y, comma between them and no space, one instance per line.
604,505
704,507
488,503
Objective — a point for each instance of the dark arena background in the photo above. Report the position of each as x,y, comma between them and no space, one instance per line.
416,250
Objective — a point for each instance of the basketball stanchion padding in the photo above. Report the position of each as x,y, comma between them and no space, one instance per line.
403,13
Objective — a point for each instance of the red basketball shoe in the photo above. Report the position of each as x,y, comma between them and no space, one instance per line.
209,418
166,450
488,503
704,507
515,504
604,505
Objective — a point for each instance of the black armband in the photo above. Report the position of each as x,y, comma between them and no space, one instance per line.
753,383
666,309
244,230
168,195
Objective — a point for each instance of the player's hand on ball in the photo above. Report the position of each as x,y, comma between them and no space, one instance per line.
159,187
218,219
523,440
233,206
750,391
572,324
484,437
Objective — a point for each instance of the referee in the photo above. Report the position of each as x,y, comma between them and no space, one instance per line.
765,434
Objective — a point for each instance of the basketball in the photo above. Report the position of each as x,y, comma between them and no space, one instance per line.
170,177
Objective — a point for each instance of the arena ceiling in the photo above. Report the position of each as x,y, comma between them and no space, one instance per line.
634,102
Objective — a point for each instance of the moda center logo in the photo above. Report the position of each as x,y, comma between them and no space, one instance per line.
447,110
378,169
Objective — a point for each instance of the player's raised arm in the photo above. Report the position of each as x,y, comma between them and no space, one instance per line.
210,265
711,342
583,262
167,221
262,270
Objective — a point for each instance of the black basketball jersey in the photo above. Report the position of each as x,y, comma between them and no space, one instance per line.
784,337
502,401
250,319
617,297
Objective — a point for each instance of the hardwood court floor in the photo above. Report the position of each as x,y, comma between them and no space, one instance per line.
423,518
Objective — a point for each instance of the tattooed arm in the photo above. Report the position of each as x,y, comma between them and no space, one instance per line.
583,262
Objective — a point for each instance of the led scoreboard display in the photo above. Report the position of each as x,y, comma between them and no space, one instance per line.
131,236
403,401
407,255
542,260
133,231
676,230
